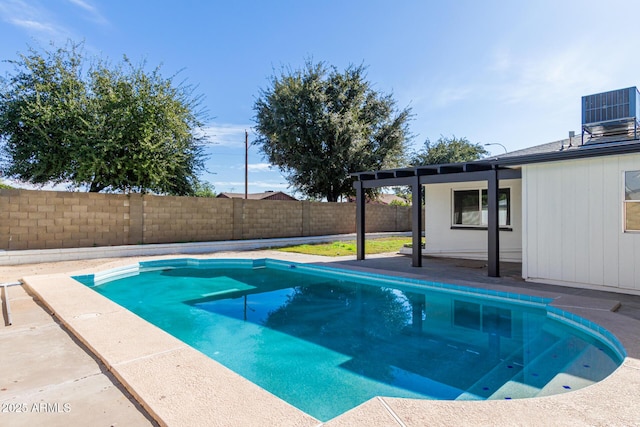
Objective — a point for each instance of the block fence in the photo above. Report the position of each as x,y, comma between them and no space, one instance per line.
52,219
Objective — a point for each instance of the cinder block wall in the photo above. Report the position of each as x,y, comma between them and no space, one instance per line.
170,219
332,218
51,220
264,219
48,219
383,218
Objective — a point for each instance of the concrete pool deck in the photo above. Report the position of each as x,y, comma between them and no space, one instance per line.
177,385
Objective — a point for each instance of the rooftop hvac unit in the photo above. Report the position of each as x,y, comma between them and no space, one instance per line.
610,115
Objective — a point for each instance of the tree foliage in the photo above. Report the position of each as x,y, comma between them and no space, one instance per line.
448,150
318,125
405,202
204,189
68,119
404,193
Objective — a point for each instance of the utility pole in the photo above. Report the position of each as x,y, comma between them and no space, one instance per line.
246,164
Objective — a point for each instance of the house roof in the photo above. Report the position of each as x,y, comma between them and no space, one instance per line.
562,145
386,199
553,151
276,195
565,150
539,149
382,199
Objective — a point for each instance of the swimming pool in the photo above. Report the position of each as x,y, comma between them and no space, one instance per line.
326,340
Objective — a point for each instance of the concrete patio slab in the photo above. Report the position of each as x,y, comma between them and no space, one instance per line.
48,378
91,400
48,359
21,305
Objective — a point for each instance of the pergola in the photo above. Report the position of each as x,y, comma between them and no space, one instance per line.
416,177
491,170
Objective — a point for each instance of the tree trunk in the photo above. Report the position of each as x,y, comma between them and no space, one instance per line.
96,187
332,196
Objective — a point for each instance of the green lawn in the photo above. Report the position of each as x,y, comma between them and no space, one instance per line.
375,246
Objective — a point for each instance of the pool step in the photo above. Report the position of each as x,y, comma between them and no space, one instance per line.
539,372
584,370
507,369
592,363
491,382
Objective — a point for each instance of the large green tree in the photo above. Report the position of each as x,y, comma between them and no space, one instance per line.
448,150
318,125
444,150
66,118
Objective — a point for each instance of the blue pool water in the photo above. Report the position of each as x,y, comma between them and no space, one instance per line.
327,340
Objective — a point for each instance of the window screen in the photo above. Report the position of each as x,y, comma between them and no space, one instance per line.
632,200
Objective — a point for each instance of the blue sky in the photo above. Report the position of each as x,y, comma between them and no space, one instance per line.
508,72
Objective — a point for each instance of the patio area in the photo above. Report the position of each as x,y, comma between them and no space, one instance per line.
52,369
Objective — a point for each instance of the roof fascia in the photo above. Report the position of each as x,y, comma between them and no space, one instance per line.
583,152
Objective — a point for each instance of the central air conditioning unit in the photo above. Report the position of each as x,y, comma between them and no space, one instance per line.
610,116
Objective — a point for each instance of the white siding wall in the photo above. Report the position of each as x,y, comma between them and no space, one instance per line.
573,224
465,243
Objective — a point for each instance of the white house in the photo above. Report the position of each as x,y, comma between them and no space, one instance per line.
569,211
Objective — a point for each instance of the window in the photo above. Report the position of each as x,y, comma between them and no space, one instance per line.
632,201
485,318
471,208
466,314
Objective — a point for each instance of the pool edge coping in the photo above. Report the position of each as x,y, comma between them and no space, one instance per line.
382,409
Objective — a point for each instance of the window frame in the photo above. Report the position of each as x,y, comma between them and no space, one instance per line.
627,202
481,192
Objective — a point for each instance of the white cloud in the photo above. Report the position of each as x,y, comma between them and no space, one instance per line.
34,19
33,25
229,135
44,187
84,5
93,11
513,77
42,22
260,167
543,78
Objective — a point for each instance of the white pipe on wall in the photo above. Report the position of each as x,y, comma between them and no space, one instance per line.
6,300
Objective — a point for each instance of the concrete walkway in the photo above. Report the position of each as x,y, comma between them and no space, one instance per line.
47,377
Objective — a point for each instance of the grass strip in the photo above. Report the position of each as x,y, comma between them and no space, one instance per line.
374,246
